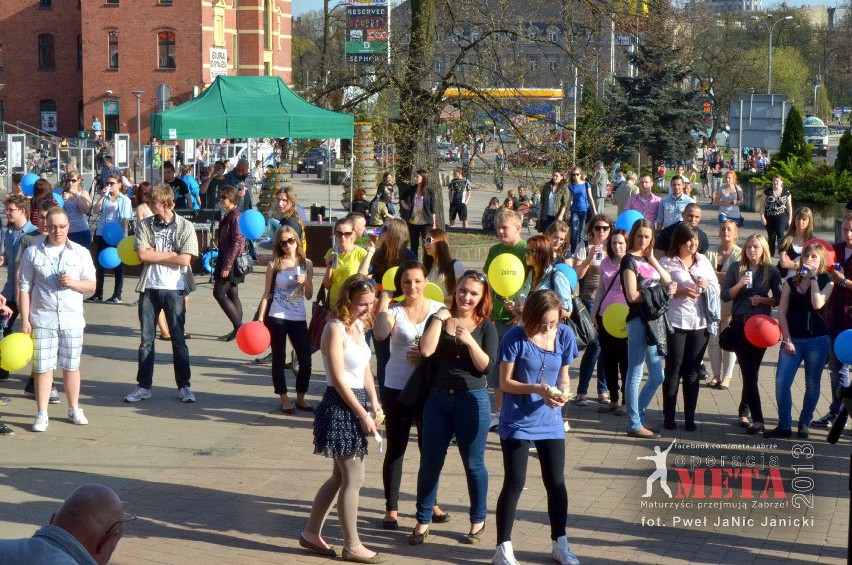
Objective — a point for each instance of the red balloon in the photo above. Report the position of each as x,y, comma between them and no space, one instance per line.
762,331
253,338
829,251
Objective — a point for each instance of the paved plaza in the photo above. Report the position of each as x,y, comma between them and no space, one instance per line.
229,480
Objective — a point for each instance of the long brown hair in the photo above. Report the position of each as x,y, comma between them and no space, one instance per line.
391,251
423,186
803,212
538,304
541,249
286,232
820,251
444,260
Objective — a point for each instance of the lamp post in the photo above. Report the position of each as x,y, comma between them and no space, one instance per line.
770,25
138,95
816,87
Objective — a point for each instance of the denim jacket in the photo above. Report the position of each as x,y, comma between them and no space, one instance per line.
50,544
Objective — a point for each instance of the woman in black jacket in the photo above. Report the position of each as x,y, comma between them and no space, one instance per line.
231,245
417,207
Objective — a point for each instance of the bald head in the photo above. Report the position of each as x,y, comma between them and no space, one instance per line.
94,515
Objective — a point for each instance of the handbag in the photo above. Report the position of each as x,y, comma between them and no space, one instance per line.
731,336
416,390
580,321
244,264
319,316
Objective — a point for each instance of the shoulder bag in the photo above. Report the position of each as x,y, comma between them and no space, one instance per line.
580,321
319,316
416,390
244,264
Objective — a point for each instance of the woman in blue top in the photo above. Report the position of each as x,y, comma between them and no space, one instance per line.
113,207
192,185
581,202
534,360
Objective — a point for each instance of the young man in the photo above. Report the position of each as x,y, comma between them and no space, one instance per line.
672,207
646,202
692,216
509,233
181,190
53,276
459,196
210,189
166,244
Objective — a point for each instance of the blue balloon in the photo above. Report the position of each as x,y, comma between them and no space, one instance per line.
843,347
252,224
208,260
113,233
108,258
28,182
626,220
57,195
569,272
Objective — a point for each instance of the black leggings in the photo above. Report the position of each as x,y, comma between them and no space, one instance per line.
749,358
683,358
417,232
614,357
118,272
776,227
551,455
398,420
297,331
227,295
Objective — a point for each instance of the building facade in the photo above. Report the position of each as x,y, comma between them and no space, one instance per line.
65,62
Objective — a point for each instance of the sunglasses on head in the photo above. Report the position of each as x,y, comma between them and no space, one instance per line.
362,284
343,233
476,275
289,241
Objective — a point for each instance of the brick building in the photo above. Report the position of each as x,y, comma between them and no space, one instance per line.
64,61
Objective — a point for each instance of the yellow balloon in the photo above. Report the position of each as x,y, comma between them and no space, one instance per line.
126,251
506,274
16,351
433,292
615,320
387,279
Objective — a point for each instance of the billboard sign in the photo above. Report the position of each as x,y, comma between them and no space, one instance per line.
366,32
218,62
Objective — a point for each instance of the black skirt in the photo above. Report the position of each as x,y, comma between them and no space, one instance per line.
337,430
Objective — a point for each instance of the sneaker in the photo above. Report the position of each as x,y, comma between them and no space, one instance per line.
113,300
95,298
495,421
77,417
561,552
41,422
185,394
138,394
29,388
581,401
803,432
504,555
566,425
6,430
825,421
54,396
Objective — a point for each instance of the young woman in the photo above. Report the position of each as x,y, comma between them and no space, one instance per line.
613,349
558,234
729,197
804,337
801,230
581,203
640,269
231,245
444,271
288,214
542,276
77,205
343,259
776,211
587,263
489,216
289,282
360,203
41,191
404,322
705,180
717,167
726,254
690,320
113,207
534,360
754,286
463,342
417,207
342,422
550,193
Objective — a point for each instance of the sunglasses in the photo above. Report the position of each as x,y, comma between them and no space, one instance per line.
113,183
72,180
362,284
529,252
476,275
289,241
343,233
575,174
601,228
428,240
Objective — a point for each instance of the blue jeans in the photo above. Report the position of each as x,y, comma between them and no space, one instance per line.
814,352
467,414
151,302
638,352
591,359
578,226
839,374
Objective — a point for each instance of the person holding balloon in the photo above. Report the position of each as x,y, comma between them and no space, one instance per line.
404,323
754,287
804,337
610,315
726,254
342,422
52,279
542,275
289,281
444,271
232,243
77,205
691,316
801,230
114,208
641,270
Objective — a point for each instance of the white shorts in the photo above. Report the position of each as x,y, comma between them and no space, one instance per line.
48,342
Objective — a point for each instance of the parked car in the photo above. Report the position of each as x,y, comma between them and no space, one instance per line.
309,161
447,152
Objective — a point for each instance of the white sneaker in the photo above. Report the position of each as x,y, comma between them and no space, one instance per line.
76,416
54,396
41,422
185,394
138,394
562,554
504,555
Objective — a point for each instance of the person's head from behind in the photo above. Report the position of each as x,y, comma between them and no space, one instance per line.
509,228
41,189
17,210
684,241
395,235
94,515
359,223
355,301
287,244
641,238
17,178
542,313
472,295
162,201
630,177
143,193
360,194
242,167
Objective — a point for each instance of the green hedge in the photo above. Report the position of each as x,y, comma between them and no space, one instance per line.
806,181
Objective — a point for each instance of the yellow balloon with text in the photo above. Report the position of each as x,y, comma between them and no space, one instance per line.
506,274
127,252
615,320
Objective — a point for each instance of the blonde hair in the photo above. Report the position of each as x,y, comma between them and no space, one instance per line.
512,216
787,240
820,251
764,264
354,286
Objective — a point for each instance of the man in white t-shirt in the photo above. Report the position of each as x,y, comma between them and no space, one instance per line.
166,244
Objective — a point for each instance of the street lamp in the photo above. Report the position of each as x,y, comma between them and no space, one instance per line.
816,87
138,95
770,25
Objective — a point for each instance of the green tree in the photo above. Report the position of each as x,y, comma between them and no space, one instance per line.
844,153
595,138
793,146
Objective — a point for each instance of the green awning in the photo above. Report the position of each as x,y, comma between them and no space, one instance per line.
250,106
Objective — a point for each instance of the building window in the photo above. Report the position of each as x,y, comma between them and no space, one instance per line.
554,36
553,65
79,52
113,49
46,51
114,2
439,66
218,27
45,3
166,49
235,51
167,2
267,69
533,65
